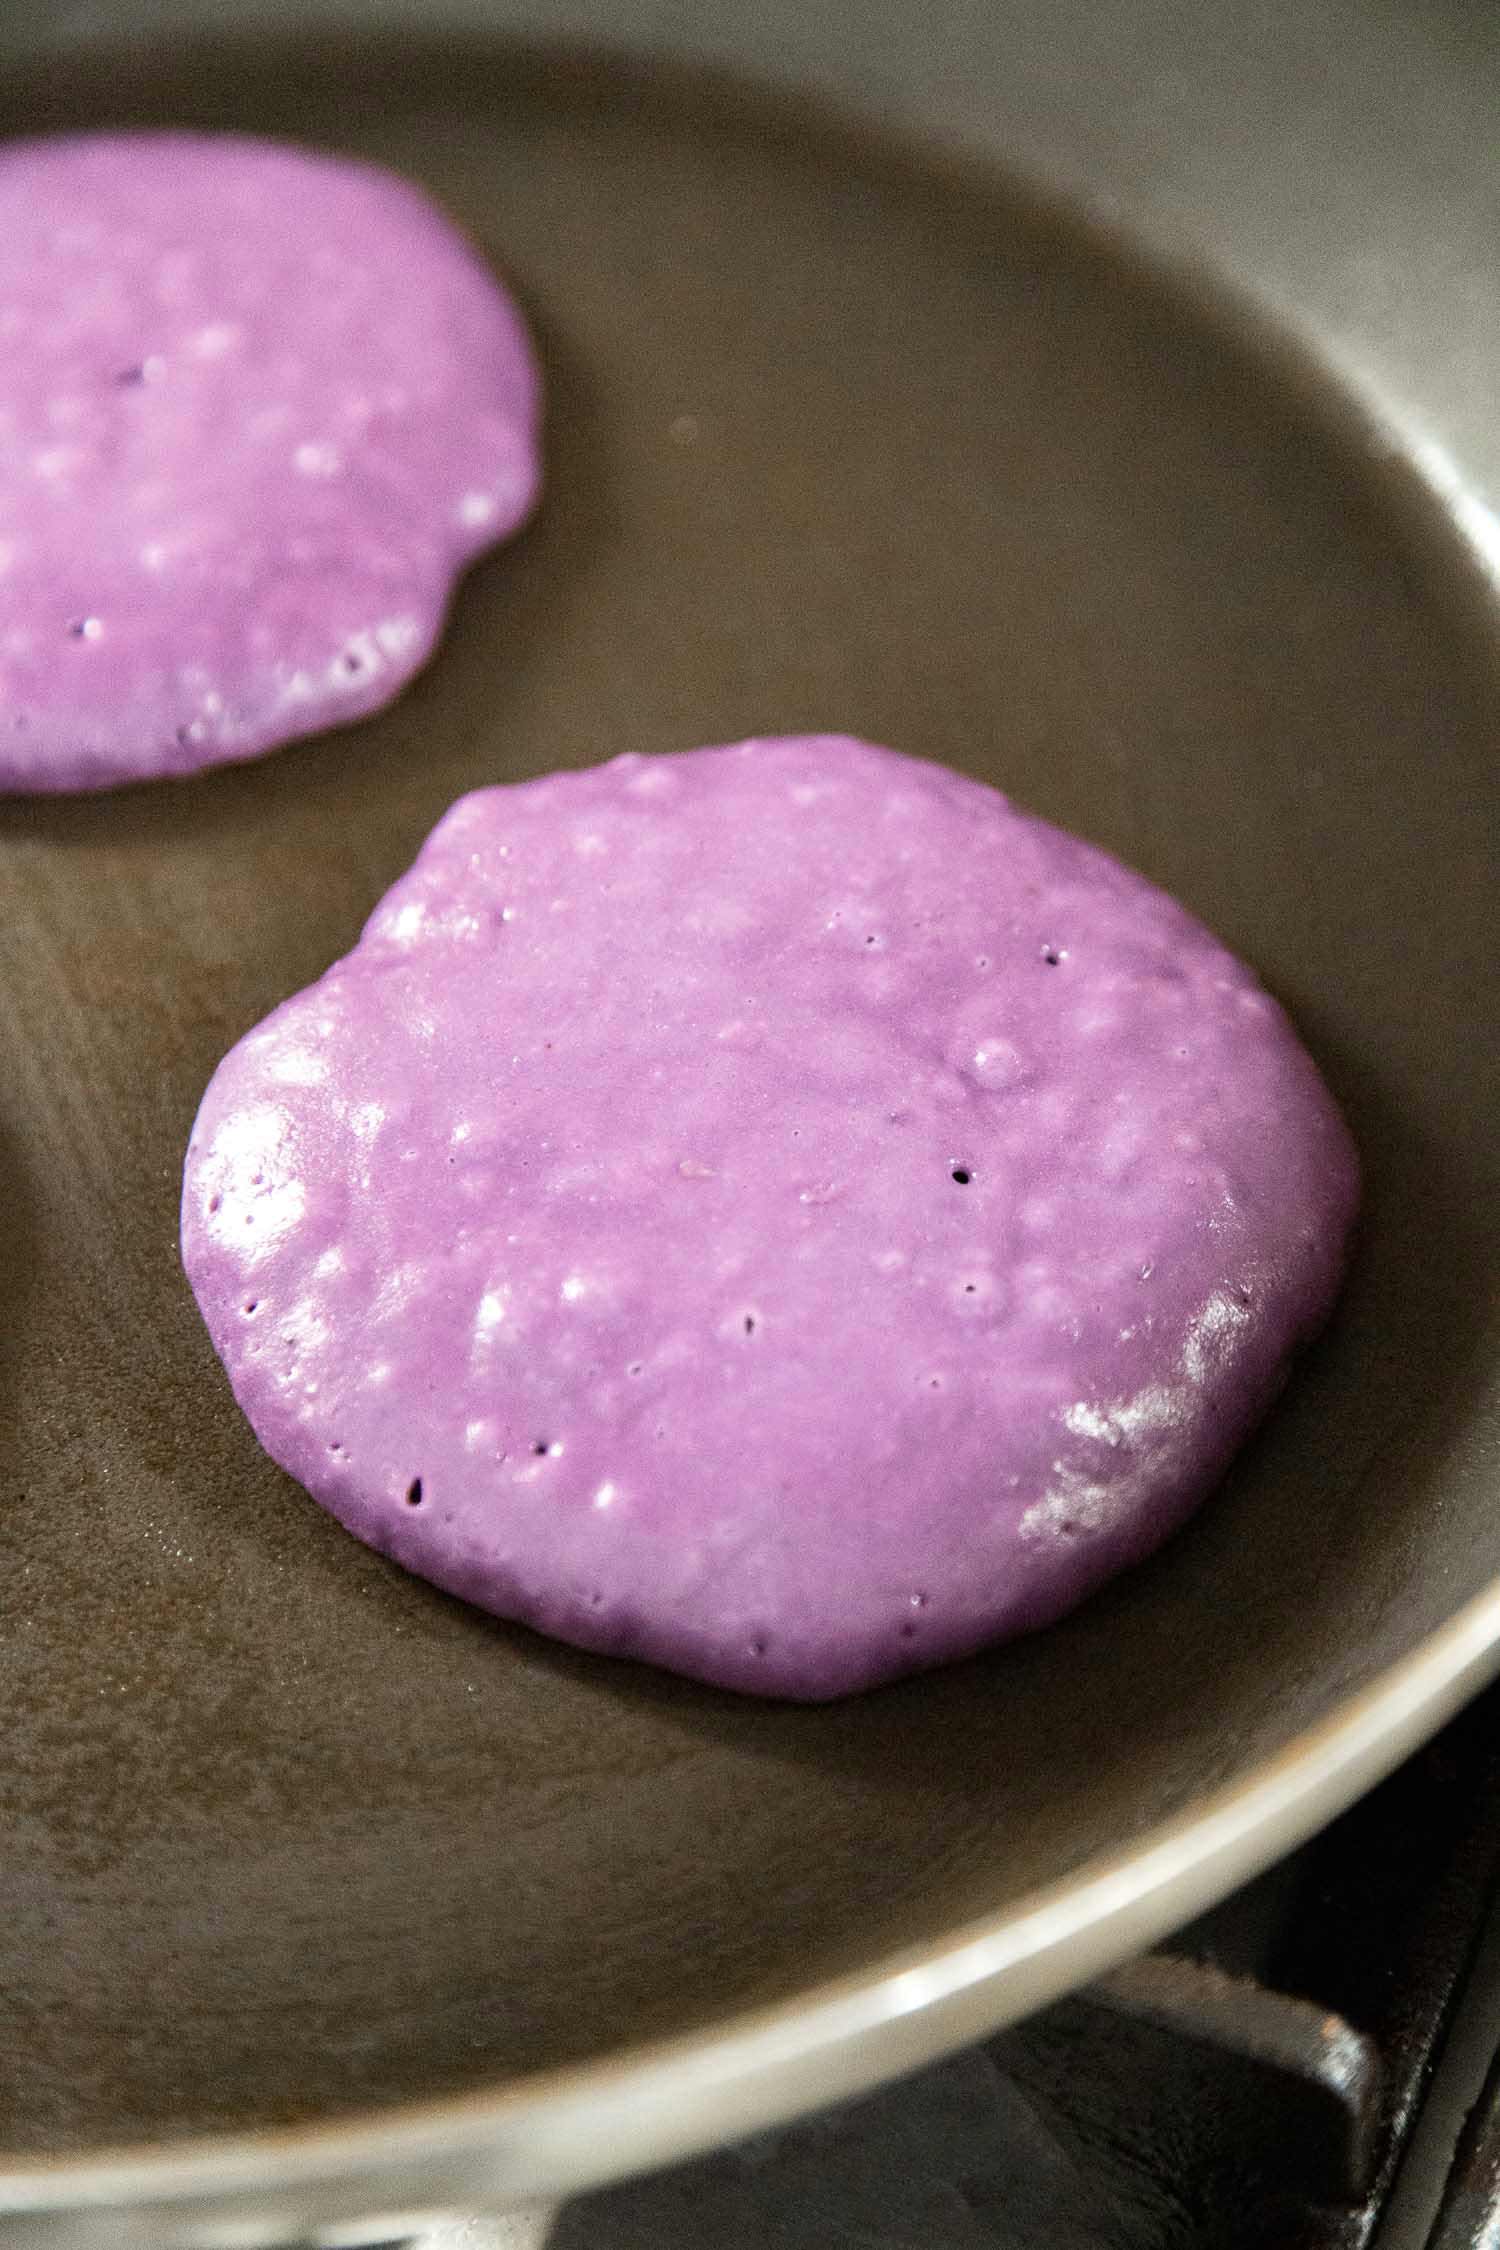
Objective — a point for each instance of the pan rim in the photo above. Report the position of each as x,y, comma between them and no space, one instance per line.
572,2128
566,2129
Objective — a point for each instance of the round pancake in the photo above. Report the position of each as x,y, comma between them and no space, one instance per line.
258,409
777,1211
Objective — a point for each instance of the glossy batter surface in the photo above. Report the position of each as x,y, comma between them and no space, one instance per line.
777,1211
257,410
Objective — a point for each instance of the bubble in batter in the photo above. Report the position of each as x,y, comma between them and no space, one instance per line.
776,1211
258,409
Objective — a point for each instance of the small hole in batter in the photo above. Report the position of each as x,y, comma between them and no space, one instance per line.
1051,956
908,1631
758,1646
635,1368
596,1601
542,1445
215,1203
414,1493
962,1174
129,376
252,1304
749,1324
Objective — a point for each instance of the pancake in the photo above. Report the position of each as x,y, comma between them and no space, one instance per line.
258,409
776,1211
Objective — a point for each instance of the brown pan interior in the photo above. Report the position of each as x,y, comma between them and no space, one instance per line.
838,439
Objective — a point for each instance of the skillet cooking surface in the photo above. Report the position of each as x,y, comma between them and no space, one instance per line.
835,442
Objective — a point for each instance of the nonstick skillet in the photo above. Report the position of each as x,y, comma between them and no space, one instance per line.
1099,403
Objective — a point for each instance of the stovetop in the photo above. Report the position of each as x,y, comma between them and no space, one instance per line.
1302,2069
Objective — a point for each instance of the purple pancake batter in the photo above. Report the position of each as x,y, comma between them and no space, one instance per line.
776,1211
257,411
